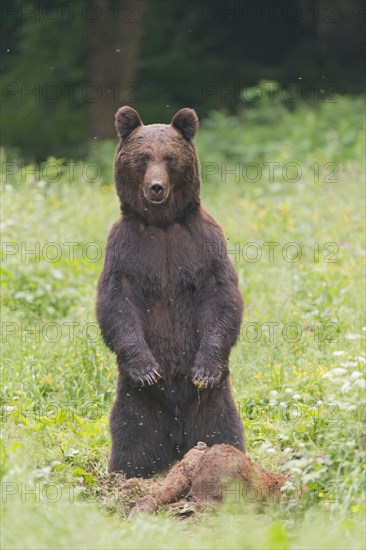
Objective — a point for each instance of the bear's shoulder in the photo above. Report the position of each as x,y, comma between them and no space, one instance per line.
120,241
207,229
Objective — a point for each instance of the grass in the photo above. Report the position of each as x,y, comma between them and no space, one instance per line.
297,370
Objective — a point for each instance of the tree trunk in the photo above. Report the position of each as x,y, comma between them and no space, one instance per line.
114,32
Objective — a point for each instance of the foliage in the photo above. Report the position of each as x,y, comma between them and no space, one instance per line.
299,386
217,49
44,86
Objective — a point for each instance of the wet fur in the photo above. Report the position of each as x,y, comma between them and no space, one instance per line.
168,306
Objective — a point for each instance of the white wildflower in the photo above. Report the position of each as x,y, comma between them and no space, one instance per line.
351,336
346,387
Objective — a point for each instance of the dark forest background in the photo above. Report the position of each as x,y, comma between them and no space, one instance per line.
68,65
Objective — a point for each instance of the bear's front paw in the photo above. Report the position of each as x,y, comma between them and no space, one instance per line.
146,375
208,375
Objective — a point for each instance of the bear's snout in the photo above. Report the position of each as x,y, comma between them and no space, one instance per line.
156,191
156,186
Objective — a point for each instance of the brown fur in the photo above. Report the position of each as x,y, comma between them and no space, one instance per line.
168,303
213,475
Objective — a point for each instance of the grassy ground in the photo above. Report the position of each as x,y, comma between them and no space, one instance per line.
297,370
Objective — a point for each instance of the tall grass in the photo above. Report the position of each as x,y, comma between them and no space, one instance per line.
295,235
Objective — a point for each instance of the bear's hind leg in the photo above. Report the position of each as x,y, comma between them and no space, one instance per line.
140,434
215,419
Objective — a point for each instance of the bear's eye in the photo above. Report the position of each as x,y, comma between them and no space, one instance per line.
142,160
171,160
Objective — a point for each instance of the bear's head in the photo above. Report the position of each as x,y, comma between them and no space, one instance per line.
156,167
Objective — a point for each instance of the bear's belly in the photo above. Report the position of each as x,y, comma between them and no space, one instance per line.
171,334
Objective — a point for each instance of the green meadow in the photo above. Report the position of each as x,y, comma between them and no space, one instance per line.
287,186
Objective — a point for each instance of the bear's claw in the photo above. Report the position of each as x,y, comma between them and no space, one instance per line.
148,378
204,382
205,377
200,383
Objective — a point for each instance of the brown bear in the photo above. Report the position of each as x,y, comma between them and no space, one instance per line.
168,302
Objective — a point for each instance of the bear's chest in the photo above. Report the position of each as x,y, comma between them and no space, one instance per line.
167,261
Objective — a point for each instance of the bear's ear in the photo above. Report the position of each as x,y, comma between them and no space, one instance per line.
127,119
186,121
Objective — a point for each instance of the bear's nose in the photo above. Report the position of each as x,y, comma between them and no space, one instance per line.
156,189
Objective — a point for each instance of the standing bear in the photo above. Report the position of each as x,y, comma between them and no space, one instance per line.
168,302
